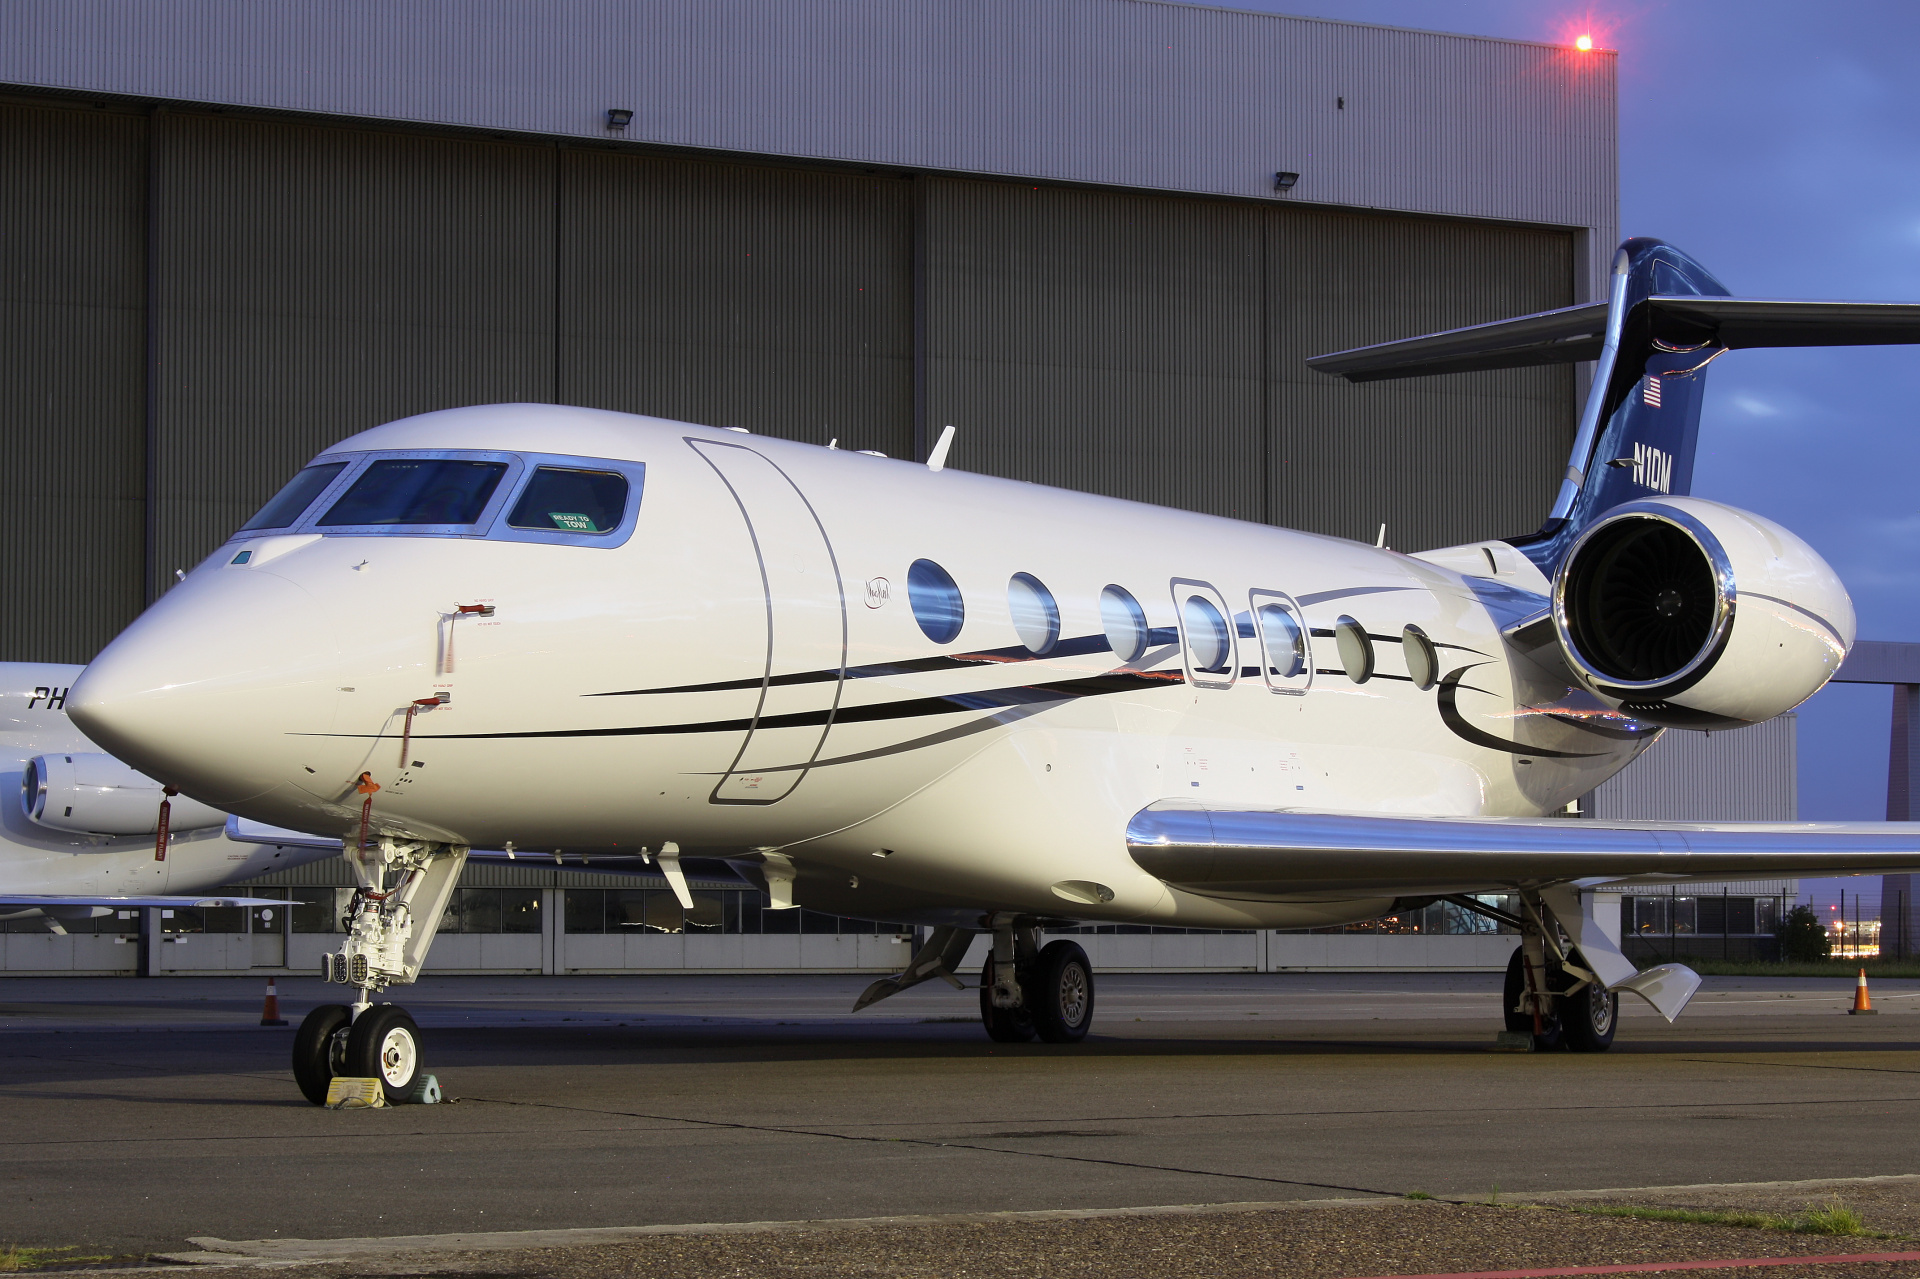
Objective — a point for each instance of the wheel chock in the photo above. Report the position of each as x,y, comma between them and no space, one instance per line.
1512,1041
426,1091
351,1092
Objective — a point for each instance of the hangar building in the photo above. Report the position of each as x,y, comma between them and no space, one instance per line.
236,231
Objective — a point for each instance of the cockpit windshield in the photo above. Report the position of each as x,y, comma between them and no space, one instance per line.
547,498
292,501
417,491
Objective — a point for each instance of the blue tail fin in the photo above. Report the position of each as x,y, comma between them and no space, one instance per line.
1641,423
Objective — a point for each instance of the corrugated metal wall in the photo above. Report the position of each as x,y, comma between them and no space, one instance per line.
312,281
1439,460
1098,342
734,295
1742,775
1115,344
72,379
1127,93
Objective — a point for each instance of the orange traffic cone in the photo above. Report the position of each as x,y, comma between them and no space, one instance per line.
270,1010
1861,1004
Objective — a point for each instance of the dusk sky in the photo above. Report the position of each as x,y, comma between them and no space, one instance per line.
1778,143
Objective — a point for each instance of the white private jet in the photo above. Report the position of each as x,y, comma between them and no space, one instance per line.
902,692
84,839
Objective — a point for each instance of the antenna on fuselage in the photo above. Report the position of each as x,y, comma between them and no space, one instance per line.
1381,540
937,460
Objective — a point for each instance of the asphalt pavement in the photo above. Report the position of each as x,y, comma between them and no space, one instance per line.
139,1114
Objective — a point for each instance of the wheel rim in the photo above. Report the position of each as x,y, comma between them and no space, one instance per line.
1599,1010
1074,994
397,1057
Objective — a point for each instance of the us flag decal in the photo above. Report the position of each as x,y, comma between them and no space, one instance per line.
1650,393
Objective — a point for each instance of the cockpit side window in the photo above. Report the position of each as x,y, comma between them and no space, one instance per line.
292,501
438,491
570,500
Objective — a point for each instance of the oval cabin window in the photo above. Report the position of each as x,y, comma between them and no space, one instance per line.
1125,623
1356,649
1036,618
935,601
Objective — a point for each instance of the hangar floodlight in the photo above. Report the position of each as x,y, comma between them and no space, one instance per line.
619,117
1285,181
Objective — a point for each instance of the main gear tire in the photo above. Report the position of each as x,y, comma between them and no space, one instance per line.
1004,1025
1588,1018
384,1044
1549,1034
1059,990
319,1050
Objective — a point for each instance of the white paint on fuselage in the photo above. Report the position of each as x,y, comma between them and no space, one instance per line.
268,690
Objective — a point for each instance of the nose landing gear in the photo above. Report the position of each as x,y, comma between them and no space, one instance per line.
389,931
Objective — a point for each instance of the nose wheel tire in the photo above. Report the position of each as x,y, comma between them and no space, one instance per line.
319,1050
1059,990
1004,1025
384,1044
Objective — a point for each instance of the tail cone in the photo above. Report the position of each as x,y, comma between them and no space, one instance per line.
270,1009
1861,1004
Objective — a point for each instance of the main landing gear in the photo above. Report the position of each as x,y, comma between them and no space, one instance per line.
389,930
1027,990
1550,996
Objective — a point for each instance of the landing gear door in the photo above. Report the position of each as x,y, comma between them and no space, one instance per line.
806,627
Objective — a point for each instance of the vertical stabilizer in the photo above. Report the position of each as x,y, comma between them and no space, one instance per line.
1641,423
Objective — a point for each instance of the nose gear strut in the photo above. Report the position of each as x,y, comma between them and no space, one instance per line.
403,887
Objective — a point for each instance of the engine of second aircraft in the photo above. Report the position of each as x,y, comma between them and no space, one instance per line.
98,795
1695,614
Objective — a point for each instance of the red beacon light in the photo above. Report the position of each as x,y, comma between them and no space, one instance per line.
1583,43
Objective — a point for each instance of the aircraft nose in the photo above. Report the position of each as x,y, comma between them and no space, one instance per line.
211,688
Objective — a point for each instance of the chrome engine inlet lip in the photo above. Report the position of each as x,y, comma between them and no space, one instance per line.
1724,592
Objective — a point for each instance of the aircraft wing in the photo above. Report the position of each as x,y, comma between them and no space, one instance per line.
610,861
45,900
1261,853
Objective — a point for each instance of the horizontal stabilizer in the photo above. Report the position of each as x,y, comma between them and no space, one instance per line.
1262,853
1576,333
1552,337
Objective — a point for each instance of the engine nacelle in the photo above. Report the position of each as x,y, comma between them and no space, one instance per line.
1695,614
98,795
